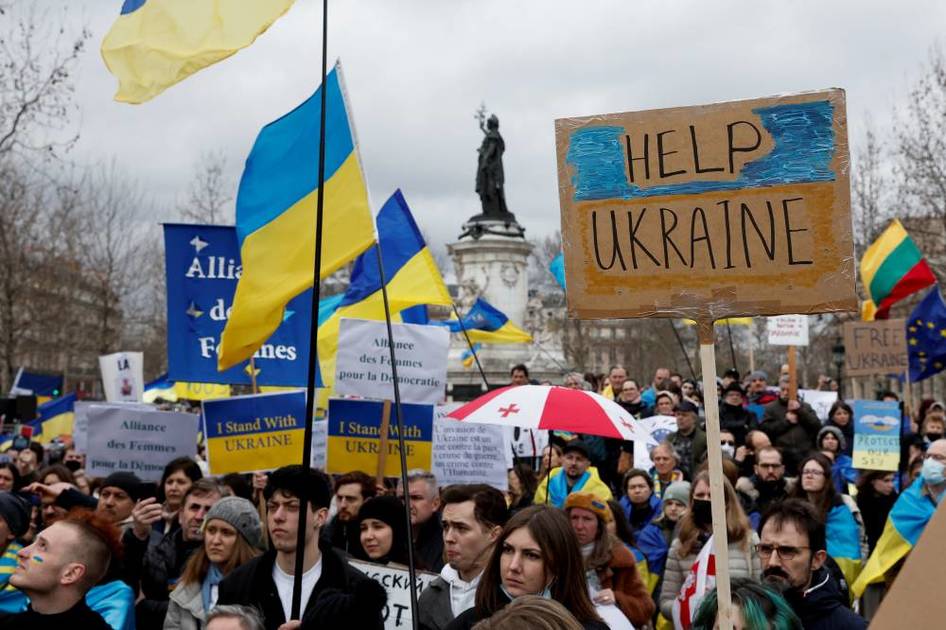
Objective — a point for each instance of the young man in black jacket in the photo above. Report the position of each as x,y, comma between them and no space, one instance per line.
332,591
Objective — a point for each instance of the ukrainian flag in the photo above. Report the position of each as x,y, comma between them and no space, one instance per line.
468,358
487,324
557,269
907,520
276,206
55,419
156,43
409,269
844,541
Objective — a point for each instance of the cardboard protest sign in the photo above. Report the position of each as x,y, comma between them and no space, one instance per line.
648,433
363,365
787,330
203,266
258,432
80,419
397,583
123,376
137,440
354,428
877,347
469,453
876,435
819,401
723,210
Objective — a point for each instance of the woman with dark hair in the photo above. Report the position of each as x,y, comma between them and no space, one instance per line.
844,528
842,416
522,486
831,440
56,473
876,495
639,501
610,568
9,477
696,526
536,554
233,534
176,480
384,536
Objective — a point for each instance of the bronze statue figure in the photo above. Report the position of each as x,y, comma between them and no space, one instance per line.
489,174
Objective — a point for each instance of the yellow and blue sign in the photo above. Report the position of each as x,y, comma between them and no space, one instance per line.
876,435
354,429
260,432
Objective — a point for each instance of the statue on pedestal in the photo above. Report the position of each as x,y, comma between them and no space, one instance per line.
490,185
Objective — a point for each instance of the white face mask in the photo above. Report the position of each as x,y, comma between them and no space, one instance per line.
728,449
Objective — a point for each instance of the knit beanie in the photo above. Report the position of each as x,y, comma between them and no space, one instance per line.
678,491
126,481
390,511
834,431
590,502
16,512
239,514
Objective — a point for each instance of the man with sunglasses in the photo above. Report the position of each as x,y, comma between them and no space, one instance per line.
792,550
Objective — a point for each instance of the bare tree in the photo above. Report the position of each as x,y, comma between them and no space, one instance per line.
869,186
210,197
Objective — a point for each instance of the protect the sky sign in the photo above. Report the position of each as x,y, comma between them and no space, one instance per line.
876,435
203,267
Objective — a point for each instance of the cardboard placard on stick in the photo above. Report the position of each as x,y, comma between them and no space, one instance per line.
723,210
878,347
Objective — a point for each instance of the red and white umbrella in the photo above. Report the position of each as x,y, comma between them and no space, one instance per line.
551,408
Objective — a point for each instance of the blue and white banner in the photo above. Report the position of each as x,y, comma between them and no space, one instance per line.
203,266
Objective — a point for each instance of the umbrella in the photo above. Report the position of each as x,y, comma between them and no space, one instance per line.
550,408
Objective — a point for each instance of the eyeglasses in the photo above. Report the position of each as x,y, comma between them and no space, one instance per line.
784,552
812,473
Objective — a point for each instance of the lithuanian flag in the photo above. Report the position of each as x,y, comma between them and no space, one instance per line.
893,268
907,520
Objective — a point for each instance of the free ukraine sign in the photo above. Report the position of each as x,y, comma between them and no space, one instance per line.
354,428
876,435
259,432
203,266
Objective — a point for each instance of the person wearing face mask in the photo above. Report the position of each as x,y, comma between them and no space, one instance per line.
537,553
832,440
655,539
733,416
933,426
792,548
695,529
908,518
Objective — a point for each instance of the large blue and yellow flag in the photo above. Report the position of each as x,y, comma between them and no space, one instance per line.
926,336
906,521
844,541
276,207
487,324
410,272
468,358
157,43
55,419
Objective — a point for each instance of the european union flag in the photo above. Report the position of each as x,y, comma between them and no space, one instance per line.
926,336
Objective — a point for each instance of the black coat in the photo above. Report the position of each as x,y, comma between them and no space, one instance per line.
737,420
252,584
345,536
429,544
471,617
79,617
823,606
874,510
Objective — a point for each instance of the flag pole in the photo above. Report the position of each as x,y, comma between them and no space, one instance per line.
715,458
470,344
299,568
683,349
399,415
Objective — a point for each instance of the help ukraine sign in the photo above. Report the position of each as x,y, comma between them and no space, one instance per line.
248,433
354,429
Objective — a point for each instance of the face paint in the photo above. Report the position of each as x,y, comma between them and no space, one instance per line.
37,559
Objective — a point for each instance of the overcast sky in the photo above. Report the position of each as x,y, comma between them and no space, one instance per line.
416,72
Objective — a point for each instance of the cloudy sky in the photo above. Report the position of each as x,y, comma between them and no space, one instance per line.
417,70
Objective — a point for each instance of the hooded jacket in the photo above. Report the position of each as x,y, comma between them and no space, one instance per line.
822,606
640,517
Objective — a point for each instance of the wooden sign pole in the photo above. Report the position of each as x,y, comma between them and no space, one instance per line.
253,375
725,616
908,396
383,441
792,373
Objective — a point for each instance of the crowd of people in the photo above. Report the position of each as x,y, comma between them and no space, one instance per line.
584,537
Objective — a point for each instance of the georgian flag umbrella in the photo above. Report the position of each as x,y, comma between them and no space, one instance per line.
551,408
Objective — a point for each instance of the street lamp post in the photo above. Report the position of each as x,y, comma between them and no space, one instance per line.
837,354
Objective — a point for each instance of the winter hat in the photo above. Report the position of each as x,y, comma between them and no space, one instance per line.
577,446
239,514
734,387
678,491
127,481
16,512
590,502
834,431
390,511
757,374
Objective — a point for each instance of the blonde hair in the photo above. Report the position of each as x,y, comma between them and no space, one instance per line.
533,612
